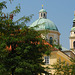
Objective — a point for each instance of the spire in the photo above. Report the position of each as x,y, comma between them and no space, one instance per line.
74,20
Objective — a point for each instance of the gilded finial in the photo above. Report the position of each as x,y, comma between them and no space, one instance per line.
42,6
74,13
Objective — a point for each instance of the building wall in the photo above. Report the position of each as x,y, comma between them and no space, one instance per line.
63,57
71,43
41,14
56,55
55,35
50,33
72,39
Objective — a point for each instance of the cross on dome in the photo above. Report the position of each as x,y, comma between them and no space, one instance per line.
42,6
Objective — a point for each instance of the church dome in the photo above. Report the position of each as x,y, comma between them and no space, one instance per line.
42,24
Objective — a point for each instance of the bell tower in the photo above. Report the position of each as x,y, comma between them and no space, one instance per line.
72,35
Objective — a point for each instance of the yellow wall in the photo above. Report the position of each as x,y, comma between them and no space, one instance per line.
55,55
63,57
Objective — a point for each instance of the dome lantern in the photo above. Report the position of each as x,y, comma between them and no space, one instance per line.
42,13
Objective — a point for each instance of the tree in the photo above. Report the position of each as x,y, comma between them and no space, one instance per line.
62,68
72,66
21,48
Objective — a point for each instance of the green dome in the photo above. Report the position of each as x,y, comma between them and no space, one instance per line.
42,24
42,10
73,29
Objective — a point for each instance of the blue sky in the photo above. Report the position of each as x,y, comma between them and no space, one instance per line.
61,12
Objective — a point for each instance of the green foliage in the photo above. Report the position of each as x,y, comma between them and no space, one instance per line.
21,48
2,5
17,10
72,66
26,56
57,46
11,1
62,68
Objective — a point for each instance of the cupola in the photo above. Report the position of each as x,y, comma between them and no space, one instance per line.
42,13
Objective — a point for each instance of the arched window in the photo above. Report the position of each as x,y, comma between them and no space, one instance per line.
51,40
74,44
41,14
44,14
